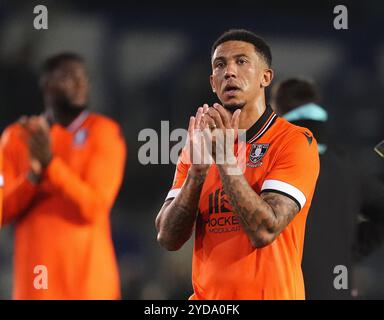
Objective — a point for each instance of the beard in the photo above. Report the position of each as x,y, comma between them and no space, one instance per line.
234,106
65,106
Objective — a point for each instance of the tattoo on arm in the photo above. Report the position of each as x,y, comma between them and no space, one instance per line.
283,208
261,215
176,220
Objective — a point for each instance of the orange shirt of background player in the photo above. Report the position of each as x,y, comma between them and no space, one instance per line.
1,185
63,223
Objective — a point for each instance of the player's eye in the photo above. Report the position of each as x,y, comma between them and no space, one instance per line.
65,75
241,61
219,64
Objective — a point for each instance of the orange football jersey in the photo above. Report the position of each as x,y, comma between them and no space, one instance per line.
282,158
63,223
1,185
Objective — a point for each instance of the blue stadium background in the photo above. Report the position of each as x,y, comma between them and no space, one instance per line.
151,62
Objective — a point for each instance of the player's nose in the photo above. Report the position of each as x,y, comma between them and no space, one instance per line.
80,83
230,71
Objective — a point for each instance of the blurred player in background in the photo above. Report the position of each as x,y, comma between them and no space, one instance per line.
249,227
62,172
344,195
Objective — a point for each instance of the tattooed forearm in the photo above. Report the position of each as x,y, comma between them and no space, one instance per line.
262,217
250,208
176,219
285,208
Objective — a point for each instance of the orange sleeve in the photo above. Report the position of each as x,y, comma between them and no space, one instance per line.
296,168
18,190
1,186
98,186
181,173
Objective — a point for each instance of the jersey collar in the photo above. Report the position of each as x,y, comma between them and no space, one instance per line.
78,121
261,125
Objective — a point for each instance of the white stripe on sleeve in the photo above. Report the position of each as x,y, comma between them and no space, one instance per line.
172,193
286,188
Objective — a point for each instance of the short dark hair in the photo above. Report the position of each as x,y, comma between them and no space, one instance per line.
259,43
294,92
54,62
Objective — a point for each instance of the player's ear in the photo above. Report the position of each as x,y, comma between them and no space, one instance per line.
267,77
212,83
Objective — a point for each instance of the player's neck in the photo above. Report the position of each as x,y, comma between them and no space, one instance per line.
62,117
251,113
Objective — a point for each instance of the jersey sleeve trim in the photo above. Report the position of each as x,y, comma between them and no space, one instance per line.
286,189
172,194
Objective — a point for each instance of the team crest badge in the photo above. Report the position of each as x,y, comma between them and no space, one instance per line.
80,137
257,153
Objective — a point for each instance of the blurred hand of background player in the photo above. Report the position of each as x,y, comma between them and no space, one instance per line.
223,126
39,142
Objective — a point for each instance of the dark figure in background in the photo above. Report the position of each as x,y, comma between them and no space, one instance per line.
346,218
